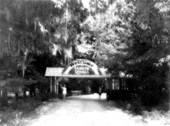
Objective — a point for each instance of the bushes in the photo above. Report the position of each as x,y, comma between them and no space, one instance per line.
12,109
10,115
44,90
25,104
150,98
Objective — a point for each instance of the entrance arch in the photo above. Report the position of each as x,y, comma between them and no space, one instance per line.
79,68
82,68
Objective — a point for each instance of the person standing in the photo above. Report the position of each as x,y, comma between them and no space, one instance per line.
64,91
100,91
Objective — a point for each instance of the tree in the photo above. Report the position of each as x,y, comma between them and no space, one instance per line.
24,36
148,44
64,30
139,33
111,27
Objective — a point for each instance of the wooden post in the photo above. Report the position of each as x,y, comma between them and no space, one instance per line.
108,82
55,88
120,83
51,85
1,89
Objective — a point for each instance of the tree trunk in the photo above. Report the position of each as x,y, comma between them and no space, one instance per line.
51,85
4,97
23,69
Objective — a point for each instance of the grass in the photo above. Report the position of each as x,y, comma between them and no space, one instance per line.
16,109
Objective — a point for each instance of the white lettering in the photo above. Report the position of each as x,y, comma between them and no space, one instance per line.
81,70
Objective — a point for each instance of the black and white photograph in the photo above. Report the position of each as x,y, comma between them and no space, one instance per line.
84,62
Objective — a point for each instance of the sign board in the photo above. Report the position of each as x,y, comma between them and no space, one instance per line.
82,67
82,70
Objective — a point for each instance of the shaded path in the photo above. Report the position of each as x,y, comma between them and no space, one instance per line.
88,110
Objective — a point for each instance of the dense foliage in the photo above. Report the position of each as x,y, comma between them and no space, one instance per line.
139,32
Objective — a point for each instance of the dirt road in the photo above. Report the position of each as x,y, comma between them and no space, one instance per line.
89,110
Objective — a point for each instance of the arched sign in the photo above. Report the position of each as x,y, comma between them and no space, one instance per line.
82,67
